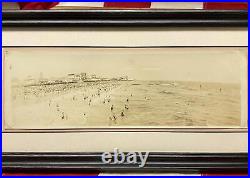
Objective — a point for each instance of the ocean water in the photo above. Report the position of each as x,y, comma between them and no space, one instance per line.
126,104
161,103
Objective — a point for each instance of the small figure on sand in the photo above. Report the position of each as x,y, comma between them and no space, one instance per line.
122,114
127,99
126,107
113,119
112,108
63,115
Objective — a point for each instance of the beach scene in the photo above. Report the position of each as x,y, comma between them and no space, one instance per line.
103,88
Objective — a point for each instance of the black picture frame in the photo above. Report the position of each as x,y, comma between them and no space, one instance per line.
124,18
178,162
158,162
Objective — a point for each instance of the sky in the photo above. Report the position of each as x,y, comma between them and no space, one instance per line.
181,64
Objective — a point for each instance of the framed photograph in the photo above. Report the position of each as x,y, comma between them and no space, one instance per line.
165,90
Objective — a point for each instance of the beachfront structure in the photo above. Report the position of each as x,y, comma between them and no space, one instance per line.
77,77
123,78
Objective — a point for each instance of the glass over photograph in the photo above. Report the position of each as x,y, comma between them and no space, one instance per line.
77,87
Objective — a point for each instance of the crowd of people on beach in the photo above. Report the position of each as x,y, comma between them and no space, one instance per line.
88,95
36,92
85,92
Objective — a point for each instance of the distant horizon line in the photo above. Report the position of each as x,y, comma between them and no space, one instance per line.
193,81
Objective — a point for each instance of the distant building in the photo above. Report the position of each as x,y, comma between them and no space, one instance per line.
93,76
77,77
73,77
123,78
83,76
44,81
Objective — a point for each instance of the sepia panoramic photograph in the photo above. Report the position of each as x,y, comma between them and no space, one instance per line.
74,88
